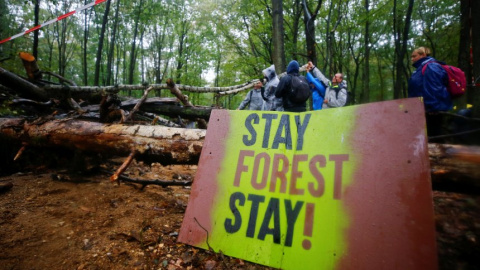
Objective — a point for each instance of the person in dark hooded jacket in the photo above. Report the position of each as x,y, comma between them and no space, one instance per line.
284,88
430,84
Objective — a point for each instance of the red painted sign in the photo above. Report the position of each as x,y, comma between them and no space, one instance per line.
341,188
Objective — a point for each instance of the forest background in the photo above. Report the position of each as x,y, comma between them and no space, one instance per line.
226,42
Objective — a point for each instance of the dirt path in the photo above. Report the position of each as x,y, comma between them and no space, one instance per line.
53,221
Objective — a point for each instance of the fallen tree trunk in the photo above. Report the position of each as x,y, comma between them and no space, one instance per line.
453,167
173,111
20,85
153,143
164,106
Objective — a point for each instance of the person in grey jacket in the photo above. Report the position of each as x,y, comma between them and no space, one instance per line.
253,99
336,92
271,103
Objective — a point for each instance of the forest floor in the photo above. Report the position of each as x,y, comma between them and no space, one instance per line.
53,220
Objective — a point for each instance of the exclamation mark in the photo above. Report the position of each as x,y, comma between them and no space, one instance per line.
308,228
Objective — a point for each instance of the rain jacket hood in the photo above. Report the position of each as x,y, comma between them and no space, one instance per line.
293,67
271,102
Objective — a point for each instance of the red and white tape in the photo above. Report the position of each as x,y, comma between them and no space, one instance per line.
54,20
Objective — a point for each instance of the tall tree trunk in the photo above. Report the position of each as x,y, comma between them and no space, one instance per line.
160,44
111,50
98,61
182,39
62,47
35,33
278,38
380,76
329,40
217,66
401,38
142,62
309,20
297,11
475,11
366,62
464,48
131,69
85,44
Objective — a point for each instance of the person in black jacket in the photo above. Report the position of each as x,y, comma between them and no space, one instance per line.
284,88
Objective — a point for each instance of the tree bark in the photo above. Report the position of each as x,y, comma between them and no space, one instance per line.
151,143
169,107
31,67
133,53
476,56
98,60
309,21
401,38
25,88
366,65
35,33
111,50
455,167
278,38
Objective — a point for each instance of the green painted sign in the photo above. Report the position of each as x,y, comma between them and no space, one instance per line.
341,188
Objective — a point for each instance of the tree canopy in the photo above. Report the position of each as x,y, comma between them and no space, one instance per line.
226,42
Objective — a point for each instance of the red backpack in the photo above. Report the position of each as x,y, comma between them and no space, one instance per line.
456,79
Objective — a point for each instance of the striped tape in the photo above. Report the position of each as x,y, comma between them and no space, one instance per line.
54,20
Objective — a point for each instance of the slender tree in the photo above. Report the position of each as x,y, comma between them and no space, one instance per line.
475,15
366,62
111,50
278,38
401,32
85,45
182,43
309,18
133,51
35,33
98,60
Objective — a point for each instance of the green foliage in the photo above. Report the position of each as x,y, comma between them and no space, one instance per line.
186,39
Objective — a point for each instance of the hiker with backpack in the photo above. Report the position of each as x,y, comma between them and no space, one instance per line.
429,81
253,98
271,103
294,89
336,93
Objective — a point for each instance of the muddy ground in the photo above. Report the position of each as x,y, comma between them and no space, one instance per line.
53,219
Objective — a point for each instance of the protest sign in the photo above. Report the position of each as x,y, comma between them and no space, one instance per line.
341,188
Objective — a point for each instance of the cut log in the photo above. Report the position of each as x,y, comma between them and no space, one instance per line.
31,66
163,106
455,167
152,143
191,113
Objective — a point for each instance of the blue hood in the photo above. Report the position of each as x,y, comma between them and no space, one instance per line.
293,67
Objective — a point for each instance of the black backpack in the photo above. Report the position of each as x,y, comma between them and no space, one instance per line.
300,89
349,96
